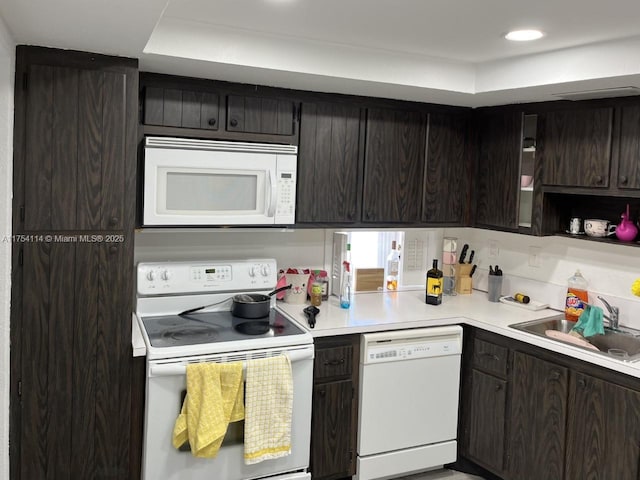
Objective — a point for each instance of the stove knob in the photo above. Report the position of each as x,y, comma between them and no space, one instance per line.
252,271
265,270
165,275
151,275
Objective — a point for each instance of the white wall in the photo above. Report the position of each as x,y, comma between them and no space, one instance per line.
609,268
7,54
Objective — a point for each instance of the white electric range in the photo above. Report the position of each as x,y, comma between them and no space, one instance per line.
172,341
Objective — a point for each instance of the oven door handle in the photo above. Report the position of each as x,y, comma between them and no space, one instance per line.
181,369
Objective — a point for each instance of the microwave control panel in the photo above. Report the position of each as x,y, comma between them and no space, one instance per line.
164,278
286,189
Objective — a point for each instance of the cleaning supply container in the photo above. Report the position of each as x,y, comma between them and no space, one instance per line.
577,297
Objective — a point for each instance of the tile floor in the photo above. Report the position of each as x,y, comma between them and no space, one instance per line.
441,475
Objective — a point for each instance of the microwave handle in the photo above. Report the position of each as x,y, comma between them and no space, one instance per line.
271,194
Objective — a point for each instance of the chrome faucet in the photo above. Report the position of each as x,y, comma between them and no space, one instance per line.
614,313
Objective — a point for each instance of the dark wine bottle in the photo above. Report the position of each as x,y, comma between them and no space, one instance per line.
434,285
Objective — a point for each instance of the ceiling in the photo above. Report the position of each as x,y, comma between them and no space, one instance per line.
441,51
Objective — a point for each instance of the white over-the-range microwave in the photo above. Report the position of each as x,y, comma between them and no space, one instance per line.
190,182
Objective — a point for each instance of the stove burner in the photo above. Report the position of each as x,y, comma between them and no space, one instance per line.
184,335
252,327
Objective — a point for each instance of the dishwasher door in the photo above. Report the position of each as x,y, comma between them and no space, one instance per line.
409,389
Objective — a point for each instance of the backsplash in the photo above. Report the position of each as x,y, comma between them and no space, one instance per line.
288,247
610,269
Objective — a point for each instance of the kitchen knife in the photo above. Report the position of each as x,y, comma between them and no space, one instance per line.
463,253
473,269
473,252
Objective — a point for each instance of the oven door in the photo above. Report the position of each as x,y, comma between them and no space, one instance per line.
166,386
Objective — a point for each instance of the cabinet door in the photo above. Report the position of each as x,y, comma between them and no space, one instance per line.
171,107
577,147
328,163
331,451
538,417
603,437
486,422
260,115
448,170
498,179
76,360
629,161
394,166
75,149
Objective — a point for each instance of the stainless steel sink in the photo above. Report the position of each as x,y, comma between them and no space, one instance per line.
621,344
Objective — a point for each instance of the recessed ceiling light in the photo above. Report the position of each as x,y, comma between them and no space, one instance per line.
524,35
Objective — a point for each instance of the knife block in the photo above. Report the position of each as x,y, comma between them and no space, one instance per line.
464,283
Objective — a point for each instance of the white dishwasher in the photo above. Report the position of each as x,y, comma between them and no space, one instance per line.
408,416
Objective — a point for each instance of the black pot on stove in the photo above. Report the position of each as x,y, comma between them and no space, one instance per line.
254,305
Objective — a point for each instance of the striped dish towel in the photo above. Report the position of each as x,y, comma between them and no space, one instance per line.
268,407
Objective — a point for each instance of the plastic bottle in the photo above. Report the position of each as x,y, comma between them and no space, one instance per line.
316,294
577,296
392,267
345,280
434,285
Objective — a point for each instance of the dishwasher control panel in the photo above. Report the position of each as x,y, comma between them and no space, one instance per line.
386,353
411,345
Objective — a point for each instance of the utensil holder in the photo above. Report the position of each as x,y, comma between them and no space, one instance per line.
494,289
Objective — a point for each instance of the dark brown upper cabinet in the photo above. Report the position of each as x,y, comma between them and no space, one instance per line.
199,108
74,148
448,170
628,175
172,107
577,147
498,175
328,163
253,114
393,166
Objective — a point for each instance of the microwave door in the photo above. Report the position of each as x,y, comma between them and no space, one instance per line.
209,188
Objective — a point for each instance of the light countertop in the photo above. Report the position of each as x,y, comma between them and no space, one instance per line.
375,312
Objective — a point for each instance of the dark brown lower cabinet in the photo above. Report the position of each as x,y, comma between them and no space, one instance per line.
537,419
74,373
335,401
487,420
603,440
551,417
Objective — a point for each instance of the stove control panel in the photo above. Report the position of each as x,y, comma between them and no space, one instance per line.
162,278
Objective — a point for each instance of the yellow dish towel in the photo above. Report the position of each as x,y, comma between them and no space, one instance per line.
214,399
268,408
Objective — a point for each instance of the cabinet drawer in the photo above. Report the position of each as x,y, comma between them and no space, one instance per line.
333,362
490,357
